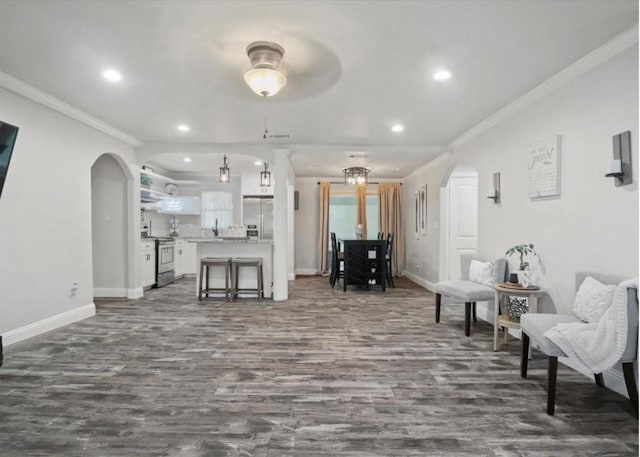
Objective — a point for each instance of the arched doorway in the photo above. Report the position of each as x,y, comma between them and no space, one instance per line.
110,201
459,216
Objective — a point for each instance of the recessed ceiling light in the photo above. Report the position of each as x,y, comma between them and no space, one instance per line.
397,128
183,128
257,163
396,169
441,75
312,167
112,75
187,159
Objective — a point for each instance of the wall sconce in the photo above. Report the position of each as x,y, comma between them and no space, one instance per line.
225,173
620,166
265,176
496,188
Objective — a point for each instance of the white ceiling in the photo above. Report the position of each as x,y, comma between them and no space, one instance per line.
353,67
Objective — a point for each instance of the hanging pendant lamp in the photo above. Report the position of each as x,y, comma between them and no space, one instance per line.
225,173
265,176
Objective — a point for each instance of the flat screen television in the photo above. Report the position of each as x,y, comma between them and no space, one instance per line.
8,134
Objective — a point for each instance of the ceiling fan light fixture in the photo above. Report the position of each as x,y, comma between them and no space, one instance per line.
264,78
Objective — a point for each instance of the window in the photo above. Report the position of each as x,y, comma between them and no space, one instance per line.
217,205
343,215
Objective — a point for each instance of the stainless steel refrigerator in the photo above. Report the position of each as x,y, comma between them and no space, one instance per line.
258,212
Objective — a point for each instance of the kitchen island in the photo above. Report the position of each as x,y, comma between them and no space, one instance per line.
236,247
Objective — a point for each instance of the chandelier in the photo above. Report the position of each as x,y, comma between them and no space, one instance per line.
264,78
356,175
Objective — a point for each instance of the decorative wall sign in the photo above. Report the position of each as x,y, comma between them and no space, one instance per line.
423,210
417,214
544,168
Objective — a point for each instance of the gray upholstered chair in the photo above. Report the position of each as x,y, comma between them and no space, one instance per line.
534,326
469,292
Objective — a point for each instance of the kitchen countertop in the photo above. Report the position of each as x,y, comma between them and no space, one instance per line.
227,240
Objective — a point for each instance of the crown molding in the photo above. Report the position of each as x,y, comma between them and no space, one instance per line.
593,59
21,88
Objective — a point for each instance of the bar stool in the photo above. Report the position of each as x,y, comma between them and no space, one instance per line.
239,262
205,264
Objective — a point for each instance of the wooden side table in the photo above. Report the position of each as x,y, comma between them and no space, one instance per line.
531,293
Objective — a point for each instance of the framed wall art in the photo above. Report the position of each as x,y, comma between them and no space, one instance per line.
544,168
417,214
423,210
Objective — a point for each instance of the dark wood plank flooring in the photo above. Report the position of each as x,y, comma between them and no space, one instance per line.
324,373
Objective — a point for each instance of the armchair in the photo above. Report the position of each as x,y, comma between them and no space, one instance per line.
469,292
534,326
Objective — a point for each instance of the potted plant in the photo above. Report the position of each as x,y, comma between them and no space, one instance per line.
517,306
523,250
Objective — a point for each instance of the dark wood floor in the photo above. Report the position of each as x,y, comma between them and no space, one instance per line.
325,373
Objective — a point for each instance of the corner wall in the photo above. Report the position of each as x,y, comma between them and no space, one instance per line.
45,218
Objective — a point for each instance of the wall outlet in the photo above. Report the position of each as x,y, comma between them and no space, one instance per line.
73,289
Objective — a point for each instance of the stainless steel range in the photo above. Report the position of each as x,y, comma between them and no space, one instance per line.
165,252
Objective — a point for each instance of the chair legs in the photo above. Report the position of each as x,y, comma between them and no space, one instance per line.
599,379
467,313
467,318
524,356
551,385
632,388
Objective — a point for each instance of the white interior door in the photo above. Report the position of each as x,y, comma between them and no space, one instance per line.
463,220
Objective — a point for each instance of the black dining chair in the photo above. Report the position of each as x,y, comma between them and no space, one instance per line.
381,235
337,261
389,259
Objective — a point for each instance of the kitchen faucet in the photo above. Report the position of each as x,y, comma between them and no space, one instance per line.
215,229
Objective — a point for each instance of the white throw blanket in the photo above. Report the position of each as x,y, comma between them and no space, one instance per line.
598,346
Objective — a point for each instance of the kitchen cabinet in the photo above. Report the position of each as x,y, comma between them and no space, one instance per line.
190,258
250,184
179,258
148,264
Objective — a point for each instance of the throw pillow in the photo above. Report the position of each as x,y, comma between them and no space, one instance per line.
592,299
481,272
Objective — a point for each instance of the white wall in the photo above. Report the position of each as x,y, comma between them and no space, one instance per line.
593,225
45,214
306,225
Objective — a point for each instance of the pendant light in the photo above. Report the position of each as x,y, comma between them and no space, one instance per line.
225,173
265,176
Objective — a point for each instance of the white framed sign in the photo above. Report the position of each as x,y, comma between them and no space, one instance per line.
544,168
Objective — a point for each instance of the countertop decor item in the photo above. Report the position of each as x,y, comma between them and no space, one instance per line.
145,180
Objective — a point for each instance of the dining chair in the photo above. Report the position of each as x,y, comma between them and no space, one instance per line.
389,259
337,261
381,235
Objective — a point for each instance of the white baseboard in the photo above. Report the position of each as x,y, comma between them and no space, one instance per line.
48,324
110,292
135,293
306,271
420,281
291,276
